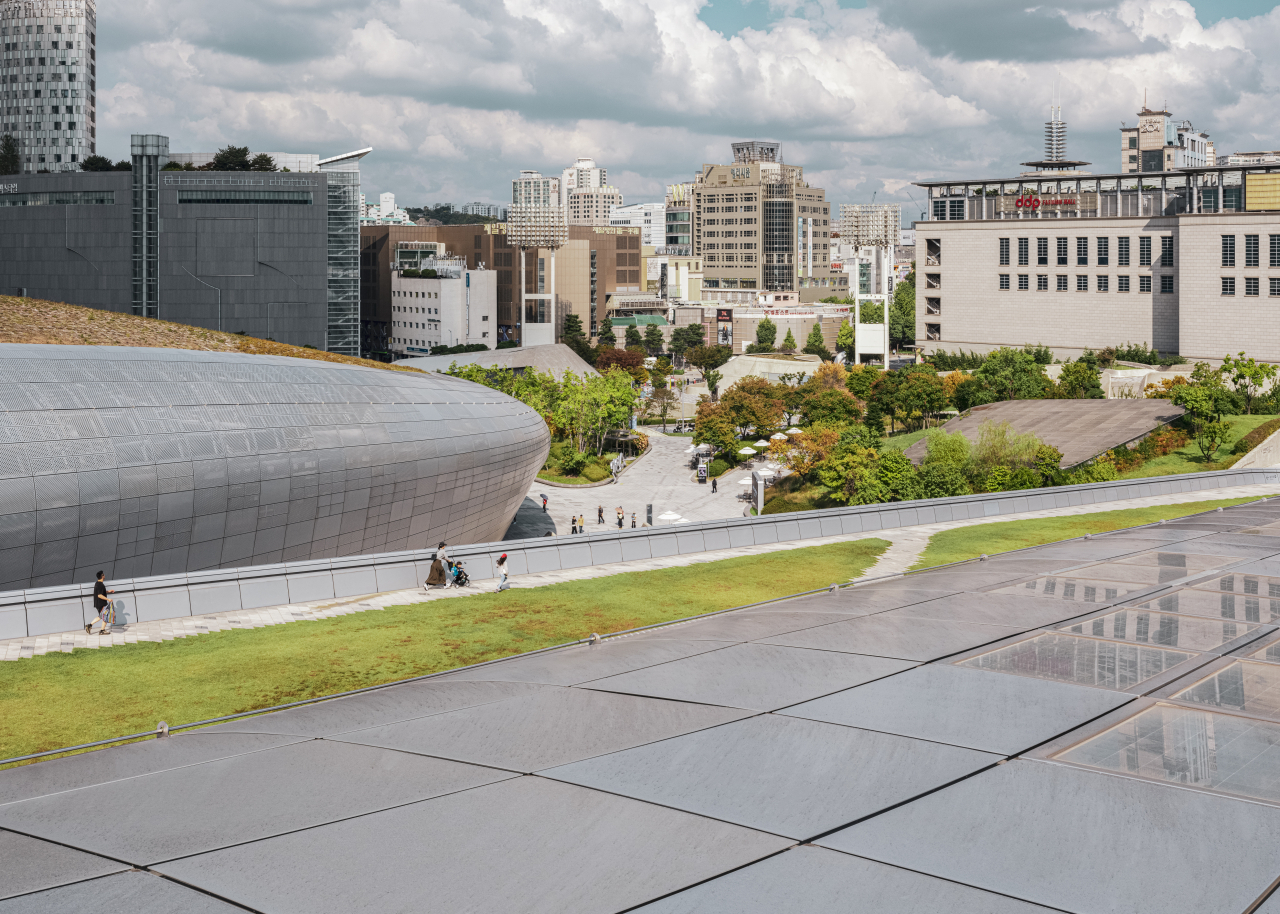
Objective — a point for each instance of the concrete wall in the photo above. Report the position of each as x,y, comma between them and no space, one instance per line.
57,609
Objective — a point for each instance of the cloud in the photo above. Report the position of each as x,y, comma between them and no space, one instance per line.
456,97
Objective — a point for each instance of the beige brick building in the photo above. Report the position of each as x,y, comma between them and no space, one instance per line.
1186,261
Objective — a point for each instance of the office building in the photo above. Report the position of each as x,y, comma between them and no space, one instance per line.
1158,143
1254,158
273,255
582,175
679,207
592,206
870,224
49,93
650,218
759,227
1186,260
458,307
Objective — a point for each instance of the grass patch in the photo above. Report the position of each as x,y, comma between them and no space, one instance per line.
791,494
901,441
1189,459
60,699
988,539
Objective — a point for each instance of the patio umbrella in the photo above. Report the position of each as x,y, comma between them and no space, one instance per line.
746,452
670,515
762,444
793,431
745,482
778,436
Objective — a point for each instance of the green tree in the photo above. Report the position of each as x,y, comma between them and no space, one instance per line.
832,407
1203,403
1012,374
902,312
816,345
1079,380
633,338
766,335
663,401
576,339
262,162
788,344
231,158
685,338
123,165
713,425
871,312
653,341
1248,377
897,476
607,337
852,468
844,341
708,359
96,163
919,394
943,480
10,156
752,403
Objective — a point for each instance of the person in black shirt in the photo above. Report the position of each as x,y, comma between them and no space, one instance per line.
100,604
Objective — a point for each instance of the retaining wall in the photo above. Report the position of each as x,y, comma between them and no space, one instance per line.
48,610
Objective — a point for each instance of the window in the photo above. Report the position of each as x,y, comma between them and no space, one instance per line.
1166,285
1082,252
1250,250
939,210
1042,283
1144,283
1228,250
1024,282
1275,285
1228,285
1122,252
1251,286
1042,252
1024,257
933,331
1275,250
933,305
1122,283
1004,252
1133,142
1004,282
1144,251
1062,283
933,280
1104,252
933,251
1062,252
1082,283
1133,160
1166,250
957,208
1104,284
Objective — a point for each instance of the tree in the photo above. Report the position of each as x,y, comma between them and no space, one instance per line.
851,468
871,312
884,394
659,372
1202,402
607,337
626,359
230,158
96,163
845,341
10,155
713,379
1012,374
831,408
262,162
1248,377
920,393
576,339
859,380
709,358
752,404
802,453
766,335
662,403
653,342
713,425
789,344
1079,381
123,165
816,345
633,338
685,338
902,313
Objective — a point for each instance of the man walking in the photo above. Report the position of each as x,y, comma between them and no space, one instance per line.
600,514
544,504
713,486
101,605
574,518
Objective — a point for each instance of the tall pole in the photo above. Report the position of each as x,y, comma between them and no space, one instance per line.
551,315
521,317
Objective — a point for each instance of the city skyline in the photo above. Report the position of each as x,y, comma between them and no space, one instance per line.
867,100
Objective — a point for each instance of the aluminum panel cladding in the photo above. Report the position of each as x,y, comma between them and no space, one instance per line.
275,429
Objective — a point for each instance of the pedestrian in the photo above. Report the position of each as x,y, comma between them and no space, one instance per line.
582,523
101,604
600,514
438,576
620,516
502,570
633,520
713,486
574,518
544,504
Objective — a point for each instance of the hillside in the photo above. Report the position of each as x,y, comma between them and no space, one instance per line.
31,320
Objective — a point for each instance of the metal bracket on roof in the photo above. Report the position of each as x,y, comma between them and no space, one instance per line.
162,730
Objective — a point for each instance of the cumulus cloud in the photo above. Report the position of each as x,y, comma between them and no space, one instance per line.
455,97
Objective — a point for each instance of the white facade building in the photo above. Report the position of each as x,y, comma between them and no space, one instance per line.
651,218
583,174
384,212
488,210
534,189
459,307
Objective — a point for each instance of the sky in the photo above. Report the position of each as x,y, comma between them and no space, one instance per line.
868,95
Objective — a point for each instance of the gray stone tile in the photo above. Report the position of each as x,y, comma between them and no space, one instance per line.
128,761
528,845
761,677
1013,610
741,626
551,727
792,777
201,807
31,865
135,892
883,635
973,708
815,880
575,665
383,706
862,601
1050,834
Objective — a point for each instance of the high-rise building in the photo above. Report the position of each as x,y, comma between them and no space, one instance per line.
650,218
583,174
49,81
384,212
1157,143
757,225
592,205
533,189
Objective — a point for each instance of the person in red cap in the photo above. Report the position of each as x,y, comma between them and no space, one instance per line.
502,570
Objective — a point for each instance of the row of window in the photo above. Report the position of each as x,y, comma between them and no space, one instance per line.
1101,283
1251,250
1101,246
1251,286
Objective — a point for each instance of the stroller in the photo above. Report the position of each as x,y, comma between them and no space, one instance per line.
460,576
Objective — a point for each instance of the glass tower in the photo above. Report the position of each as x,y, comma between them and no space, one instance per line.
48,81
343,328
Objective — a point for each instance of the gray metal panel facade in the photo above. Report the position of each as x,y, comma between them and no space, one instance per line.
145,462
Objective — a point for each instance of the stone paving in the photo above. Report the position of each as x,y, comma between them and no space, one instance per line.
907,545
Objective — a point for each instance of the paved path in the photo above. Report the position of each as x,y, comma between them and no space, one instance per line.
907,544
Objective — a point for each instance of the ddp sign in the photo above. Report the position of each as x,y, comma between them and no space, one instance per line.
1049,203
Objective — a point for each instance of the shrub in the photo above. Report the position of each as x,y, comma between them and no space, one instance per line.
951,450
718,468
942,480
507,344
410,273
1256,437
573,463
596,471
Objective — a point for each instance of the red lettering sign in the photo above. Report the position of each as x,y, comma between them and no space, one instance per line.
1031,202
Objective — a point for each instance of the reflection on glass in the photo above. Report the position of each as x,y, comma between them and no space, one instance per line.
1254,585
1271,653
1073,588
1216,751
1223,605
1192,633
1067,658
1140,572
1185,563
1251,687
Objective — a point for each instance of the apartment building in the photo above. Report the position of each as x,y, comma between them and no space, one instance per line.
592,205
758,226
1188,261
